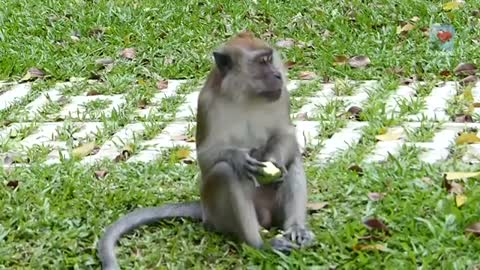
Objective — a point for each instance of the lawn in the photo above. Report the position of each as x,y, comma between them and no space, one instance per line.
52,217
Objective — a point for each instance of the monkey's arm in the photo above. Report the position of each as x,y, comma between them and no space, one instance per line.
239,159
282,147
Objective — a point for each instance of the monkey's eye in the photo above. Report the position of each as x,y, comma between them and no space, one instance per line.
267,59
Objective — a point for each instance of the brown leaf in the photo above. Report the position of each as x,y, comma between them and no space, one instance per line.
453,187
359,61
180,138
307,75
340,60
376,196
355,112
93,92
182,153
471,79
376,224
415,19
405,28
362,247
142,103
290,64
302,116
286,43
465,69
356,168
129,53
32,74
474,229
97,32
460,200
83,150
125,154
395,70
445,73
12,184
467,138
389,136
101,174
313,207
162,84
464,119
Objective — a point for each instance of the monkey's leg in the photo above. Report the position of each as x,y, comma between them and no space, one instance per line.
291,211
228,204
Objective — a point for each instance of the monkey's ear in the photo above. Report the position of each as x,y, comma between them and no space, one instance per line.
223,61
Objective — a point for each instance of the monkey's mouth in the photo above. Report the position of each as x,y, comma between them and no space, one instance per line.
272,95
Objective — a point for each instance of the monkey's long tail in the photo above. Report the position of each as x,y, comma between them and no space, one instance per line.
139,217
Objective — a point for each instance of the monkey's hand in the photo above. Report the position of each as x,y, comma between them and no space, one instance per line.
244,164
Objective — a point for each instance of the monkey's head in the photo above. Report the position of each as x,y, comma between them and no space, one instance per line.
250,68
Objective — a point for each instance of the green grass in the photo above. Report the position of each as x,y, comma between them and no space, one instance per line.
55,216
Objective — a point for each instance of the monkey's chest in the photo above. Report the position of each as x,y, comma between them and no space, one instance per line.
250,135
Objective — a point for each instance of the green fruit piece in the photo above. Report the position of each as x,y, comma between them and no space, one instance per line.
269,174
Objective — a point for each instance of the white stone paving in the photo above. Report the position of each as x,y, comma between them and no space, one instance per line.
175,132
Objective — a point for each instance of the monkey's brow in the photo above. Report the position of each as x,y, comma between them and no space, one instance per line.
263,52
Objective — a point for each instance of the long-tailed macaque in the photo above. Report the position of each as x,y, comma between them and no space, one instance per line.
243,119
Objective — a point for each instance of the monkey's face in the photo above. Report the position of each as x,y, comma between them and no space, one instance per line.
250,74
266,78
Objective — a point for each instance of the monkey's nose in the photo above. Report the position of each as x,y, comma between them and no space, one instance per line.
277,75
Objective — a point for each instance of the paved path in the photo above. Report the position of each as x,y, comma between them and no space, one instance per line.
174,134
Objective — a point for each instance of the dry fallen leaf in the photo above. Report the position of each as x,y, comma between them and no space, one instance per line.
93,92
83,150
101,174
465,69
356,168
403,29
376,196
415,19
182,153
464,118
302,116
362,247
33,73
162,84
289,64
471,79
460,200
313,207
473,229
286,43
307,75
389,136
12,184
452,5
460,175
142,103
467,138
129,53
445,73
376,224
360,61
340,60
355,112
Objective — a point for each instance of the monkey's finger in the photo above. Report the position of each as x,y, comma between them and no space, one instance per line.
253,179
254,162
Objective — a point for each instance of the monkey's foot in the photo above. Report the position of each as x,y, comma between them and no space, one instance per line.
283,245
300,235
